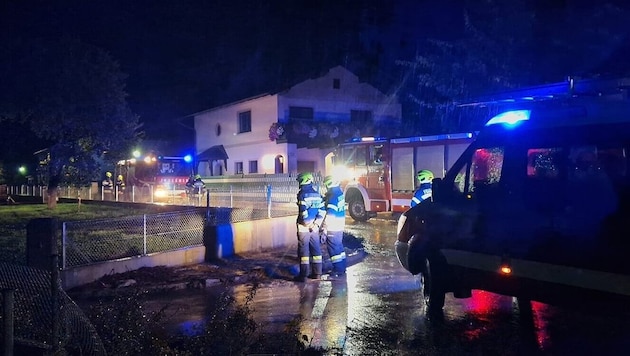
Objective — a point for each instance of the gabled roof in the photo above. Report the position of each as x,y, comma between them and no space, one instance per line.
273,91
214,153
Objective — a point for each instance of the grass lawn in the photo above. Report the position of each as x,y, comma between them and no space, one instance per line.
15,218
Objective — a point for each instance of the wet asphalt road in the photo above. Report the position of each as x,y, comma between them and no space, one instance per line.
377,310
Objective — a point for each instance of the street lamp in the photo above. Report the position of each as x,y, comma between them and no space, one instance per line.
22,170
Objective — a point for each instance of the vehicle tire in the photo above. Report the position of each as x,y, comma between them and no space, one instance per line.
433,286
357,211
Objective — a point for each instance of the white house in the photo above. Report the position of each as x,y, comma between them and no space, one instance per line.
293,130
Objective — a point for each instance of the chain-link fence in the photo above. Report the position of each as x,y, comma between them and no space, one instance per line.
28,292
258,191
227,200
90,241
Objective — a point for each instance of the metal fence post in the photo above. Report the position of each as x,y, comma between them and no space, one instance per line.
63,245
231,197
207,205
268,201
55,287
144,234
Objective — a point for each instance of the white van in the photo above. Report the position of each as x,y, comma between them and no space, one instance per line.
537,207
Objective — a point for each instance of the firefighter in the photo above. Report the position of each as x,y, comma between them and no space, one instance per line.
120,186
198,188
334,224
189,187
108,186
310,212
425,189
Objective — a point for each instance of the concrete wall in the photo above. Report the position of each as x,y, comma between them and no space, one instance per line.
229,239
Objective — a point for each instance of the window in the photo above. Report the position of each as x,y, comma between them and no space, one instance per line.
543,189
376,155
245,121
360,116
543,162
253,166
238,167
336,83
483,172
300,113
354,155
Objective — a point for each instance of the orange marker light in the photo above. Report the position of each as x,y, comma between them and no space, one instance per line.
506,269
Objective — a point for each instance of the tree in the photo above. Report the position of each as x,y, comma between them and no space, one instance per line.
72,96
489,53
496,45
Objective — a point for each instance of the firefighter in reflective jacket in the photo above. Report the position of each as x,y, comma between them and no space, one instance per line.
425,188
334,224
108,186
310,212
120,187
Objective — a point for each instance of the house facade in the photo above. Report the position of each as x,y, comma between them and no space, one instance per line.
293,130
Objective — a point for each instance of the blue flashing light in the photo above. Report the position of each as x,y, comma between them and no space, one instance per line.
510,118
187,158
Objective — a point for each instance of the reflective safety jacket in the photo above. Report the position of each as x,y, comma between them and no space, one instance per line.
335,209
424,192
108,185
310,205
198,186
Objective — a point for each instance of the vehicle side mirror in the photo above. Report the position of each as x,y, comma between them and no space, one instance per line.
437,182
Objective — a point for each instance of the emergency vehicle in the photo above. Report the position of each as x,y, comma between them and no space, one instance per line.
537,207
159,178
379,175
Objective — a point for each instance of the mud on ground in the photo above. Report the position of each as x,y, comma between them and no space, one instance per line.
256,267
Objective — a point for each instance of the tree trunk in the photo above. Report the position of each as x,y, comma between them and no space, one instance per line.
52,197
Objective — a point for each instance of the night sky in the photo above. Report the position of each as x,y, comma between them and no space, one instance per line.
191,55
187,56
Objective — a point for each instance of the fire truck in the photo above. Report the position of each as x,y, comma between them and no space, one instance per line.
378,174
157,178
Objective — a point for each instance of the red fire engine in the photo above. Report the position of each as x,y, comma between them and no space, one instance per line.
379,174
158,178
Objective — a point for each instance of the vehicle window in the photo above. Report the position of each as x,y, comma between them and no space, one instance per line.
570,178
354,156
543,162
376,155
590,193
613,160
360,156
347,156
543,189
487,166
484,171
593,164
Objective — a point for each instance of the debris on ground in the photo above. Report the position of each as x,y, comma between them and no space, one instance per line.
249,268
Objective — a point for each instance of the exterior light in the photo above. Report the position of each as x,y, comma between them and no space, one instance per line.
187,158
22,170
136,154
506,267
510,118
